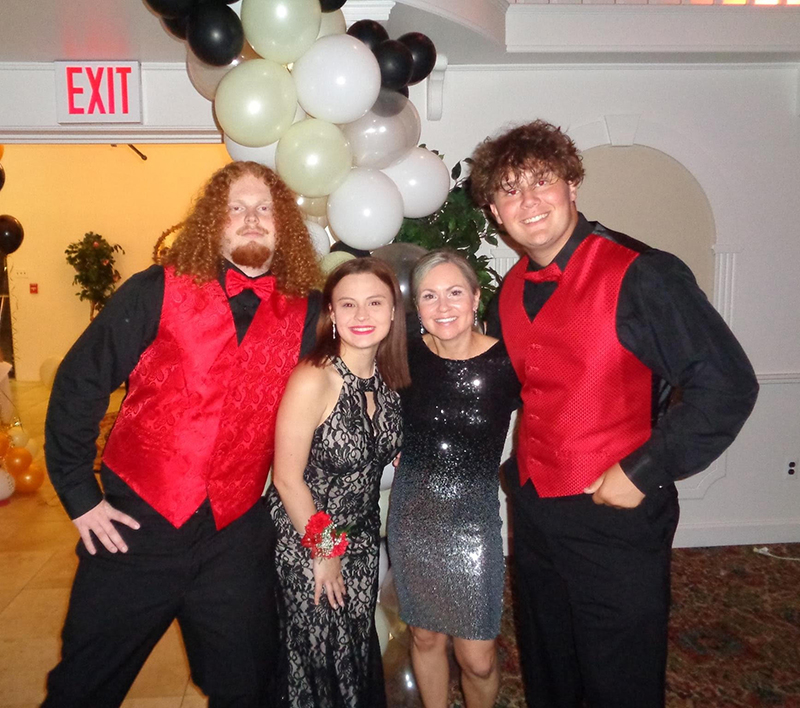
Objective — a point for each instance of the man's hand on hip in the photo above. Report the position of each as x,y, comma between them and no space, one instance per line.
613,488
98,521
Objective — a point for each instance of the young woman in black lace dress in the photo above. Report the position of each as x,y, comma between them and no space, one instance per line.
338,425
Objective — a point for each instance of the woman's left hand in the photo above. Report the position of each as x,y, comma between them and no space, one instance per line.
328,579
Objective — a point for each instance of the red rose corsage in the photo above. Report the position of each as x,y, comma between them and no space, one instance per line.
323,538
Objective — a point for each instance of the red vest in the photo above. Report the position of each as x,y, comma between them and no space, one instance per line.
586,399
199,418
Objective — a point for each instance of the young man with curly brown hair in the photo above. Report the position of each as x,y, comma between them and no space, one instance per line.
206,341
630,381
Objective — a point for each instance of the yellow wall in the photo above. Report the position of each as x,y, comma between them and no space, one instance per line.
58,193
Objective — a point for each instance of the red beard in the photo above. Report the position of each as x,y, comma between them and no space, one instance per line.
253,255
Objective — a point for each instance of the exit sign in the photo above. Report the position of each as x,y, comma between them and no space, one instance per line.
98,92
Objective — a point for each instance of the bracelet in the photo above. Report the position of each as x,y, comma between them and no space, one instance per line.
323,538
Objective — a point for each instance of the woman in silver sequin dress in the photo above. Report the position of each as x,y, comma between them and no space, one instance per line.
444,527
338,424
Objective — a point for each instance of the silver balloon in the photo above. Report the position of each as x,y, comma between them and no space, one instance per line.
205,78
386,133
402,257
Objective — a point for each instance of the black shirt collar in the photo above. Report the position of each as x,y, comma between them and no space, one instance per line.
582,229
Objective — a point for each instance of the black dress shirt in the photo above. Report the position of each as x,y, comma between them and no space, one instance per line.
704,387
101,361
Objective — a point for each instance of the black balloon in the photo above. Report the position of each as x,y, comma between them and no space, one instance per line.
331,5
403,91
2,176
370,32
215,33
176,26
342,246
424,53
11,234
171,8
396,63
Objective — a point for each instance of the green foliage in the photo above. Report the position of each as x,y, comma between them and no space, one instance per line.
461,225
93,259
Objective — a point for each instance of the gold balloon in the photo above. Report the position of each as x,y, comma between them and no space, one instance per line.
17,460
5,443
2,150
30,479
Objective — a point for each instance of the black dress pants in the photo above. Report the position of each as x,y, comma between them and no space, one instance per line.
592,594
220,585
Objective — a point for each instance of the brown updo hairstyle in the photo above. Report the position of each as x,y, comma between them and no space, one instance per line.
391,358
537,149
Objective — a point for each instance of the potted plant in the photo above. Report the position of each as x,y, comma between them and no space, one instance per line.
93,258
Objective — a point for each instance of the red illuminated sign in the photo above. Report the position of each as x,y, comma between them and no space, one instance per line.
98,92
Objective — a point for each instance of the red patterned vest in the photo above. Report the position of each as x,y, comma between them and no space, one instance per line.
586,399
199,417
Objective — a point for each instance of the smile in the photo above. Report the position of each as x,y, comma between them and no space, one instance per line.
362,330
534,219
445,320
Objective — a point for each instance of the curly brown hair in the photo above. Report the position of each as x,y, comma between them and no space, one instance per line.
196,250
537,149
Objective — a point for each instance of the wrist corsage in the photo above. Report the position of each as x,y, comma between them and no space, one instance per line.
323,538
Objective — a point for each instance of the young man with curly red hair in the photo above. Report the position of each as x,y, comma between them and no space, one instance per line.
630,381
206,342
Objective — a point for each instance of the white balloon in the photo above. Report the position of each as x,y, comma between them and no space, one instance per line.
367,210
386,133
382,627
387,477
319,237
338,79
424,181
262,155
8,484
383,563
384,508
332,23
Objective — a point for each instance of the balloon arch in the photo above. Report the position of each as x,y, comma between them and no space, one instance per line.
326,107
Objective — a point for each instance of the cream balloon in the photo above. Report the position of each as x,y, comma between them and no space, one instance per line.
424,181
319,237
332,23
18,437
7,484
264,155
321,220
383,505
205,78
382,628
367,210
333,260
33,446
256,102
338,79
313,157
281,30
313,206
383,562
386,133
48,369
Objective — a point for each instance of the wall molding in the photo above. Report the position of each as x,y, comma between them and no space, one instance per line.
693,535
696,486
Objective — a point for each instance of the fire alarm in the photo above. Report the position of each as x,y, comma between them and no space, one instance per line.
34,288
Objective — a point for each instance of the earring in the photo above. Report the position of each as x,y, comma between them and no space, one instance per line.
421,327
334,329
475,318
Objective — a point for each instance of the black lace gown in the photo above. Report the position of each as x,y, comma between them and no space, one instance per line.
444,527
333,658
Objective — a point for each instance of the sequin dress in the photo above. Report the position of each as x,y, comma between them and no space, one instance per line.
444,527
332,656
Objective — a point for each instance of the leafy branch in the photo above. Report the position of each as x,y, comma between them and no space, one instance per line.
93,258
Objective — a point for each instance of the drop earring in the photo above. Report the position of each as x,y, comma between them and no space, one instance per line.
475,318
421,327
334,329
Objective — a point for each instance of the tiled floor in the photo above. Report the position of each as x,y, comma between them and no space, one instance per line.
37,562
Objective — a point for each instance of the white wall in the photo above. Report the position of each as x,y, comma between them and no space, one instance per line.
735,129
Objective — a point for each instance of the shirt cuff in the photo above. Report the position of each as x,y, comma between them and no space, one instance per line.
81,498
645,470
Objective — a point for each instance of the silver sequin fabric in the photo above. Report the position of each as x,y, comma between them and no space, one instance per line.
444,527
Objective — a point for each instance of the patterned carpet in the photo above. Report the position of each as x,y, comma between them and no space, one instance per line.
734,635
